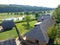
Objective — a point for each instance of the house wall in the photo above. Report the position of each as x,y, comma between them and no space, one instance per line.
35,42
42,43
30,39
8,42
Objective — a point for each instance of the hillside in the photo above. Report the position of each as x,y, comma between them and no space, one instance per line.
21,8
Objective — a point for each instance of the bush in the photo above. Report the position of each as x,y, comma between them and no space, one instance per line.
52,33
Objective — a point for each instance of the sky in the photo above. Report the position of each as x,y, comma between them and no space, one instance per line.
43,3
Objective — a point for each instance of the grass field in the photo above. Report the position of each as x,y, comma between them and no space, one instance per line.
21,27
8,34
6,15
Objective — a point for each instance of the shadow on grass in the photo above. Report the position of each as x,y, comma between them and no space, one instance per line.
5,30
27,26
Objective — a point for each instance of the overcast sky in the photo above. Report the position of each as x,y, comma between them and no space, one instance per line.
44,3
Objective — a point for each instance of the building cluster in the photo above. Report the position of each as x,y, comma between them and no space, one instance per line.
38,35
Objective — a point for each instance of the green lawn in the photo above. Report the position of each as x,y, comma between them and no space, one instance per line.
8,34
22,28
6,15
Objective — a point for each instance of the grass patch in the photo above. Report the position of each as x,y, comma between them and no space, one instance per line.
8,34
6,15
21,27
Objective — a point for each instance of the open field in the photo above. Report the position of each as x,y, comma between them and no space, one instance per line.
6,15
8,34
21,27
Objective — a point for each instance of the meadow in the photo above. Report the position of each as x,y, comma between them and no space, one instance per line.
22,27
6,15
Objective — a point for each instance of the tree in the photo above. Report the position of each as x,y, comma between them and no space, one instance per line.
52,33
26,13
11,13
56,14
27,19
8,13
33,12
21,13
36,15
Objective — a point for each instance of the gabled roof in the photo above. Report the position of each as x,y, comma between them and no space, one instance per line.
7,24
38,34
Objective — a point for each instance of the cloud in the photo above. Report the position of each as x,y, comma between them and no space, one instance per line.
45,3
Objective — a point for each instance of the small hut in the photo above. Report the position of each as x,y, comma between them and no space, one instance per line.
7,24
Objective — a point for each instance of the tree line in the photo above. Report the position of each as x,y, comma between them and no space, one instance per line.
22,8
